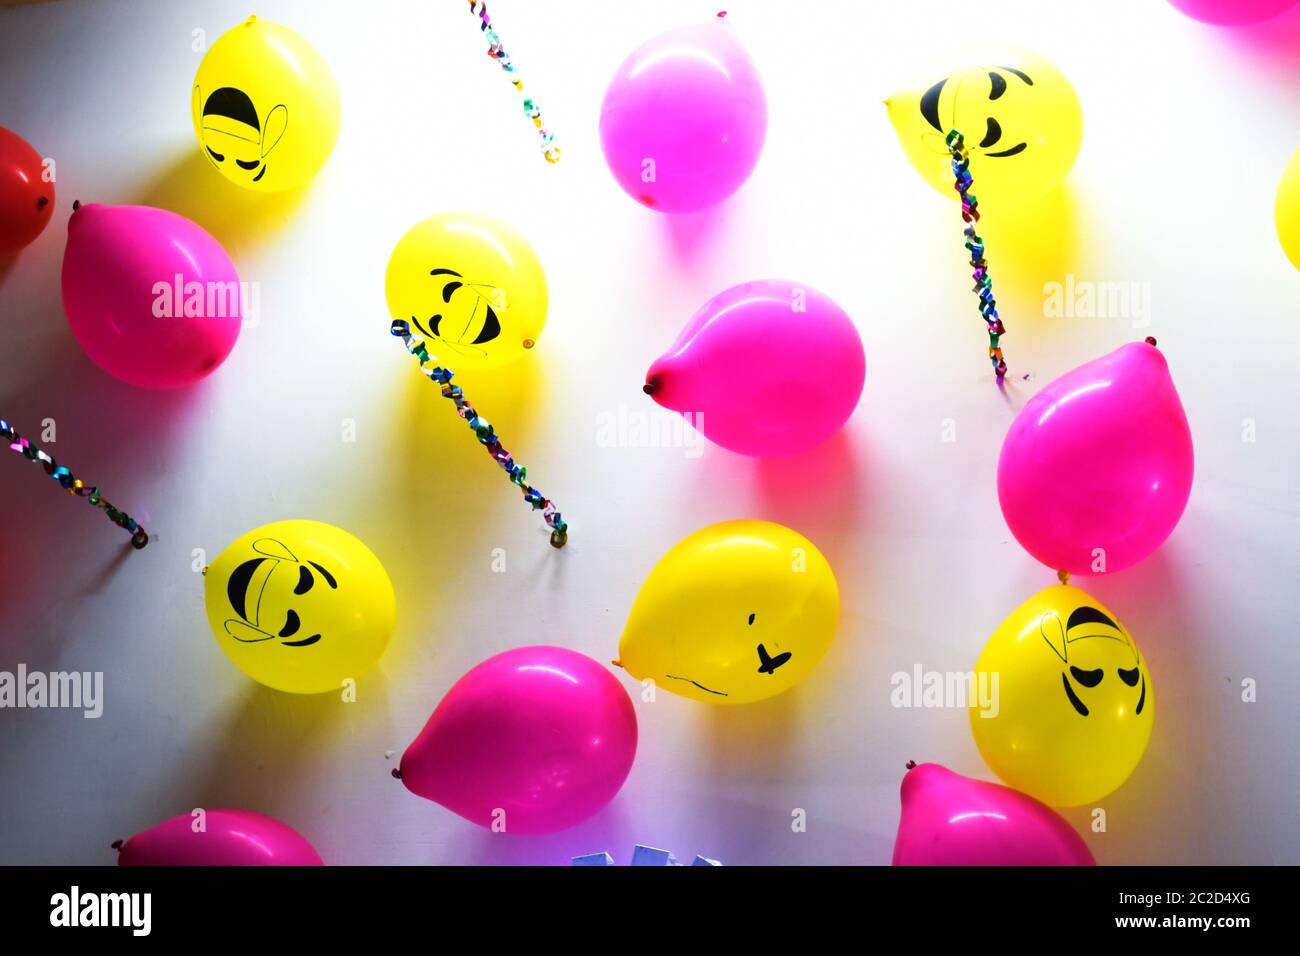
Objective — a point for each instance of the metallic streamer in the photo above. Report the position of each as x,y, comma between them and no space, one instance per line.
72,484
498,53
483,431
970,215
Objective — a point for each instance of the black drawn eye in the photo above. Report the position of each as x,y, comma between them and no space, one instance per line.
1087,678
993,134
1129,677
751,619
291,624
215,155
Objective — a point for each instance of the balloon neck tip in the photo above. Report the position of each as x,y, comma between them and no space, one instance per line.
649,388
1150,340
397,774
911,765
617,663
76,204
117,845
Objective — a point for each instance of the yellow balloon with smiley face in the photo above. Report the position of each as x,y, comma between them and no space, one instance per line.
472,286
736,612
1020,119
1068,701
300,606
265,107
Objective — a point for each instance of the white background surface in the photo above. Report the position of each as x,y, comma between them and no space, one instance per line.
1188,128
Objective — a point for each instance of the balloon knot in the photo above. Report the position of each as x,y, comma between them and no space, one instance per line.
617,663
397,774
911,765
1151,340
1063,576
117,845
648,388
76,204
722,14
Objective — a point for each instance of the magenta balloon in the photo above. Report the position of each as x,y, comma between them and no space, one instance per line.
1097,468
951,820
533,740
229,838
151,297
684,119
1233,12
764,368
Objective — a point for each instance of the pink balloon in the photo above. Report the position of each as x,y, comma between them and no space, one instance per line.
765,368
684,119
951,820
1097,468
229,838
151,297
543,735
1233,12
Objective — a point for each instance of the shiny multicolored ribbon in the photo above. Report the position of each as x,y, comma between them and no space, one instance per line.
970,215
483,431
72,484
498,53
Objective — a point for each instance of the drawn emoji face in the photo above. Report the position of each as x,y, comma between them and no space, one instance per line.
232,133
471,287
736,612
1102,669
275,570
299,605
467,317
1018,115
1066,702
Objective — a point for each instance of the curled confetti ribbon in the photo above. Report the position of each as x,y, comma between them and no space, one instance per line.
970,215
483,431
498,53
73,485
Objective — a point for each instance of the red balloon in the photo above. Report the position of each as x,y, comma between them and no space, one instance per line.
26,198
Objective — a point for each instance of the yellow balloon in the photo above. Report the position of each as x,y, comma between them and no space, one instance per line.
472,286
1287,210
736,612
300,606
1020,118
265,107
1071,700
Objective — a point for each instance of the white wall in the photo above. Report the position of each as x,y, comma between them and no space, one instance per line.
1187,131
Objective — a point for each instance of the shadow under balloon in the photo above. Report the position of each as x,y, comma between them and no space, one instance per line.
237,218
453,494
270,751
1031,245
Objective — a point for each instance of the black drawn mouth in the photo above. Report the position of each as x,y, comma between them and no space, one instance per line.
698,684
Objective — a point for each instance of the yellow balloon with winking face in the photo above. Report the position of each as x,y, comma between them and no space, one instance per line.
736,612
1067,703
1020,119
300,606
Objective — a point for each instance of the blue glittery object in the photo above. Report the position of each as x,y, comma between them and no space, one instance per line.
484,432
642,856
